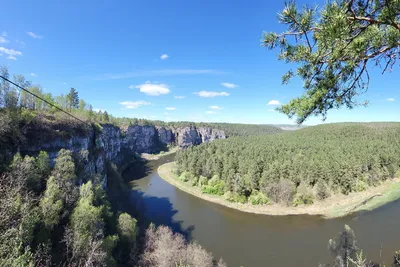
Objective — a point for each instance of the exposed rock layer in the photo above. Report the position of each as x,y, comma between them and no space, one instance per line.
92,148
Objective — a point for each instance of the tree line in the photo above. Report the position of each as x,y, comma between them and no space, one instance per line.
296,167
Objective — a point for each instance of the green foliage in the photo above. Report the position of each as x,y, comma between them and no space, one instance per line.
333,47
258,198
73,99
43,164
345,158
304,195
51,204
322,190
127,227
234,197
215,186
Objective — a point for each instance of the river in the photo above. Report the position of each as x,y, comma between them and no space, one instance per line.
244,239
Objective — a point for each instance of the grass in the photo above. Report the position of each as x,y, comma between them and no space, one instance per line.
159,155
332,207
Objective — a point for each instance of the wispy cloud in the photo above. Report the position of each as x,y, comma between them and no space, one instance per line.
179,97
34,35
210,94
170,108
153,89
216,107
12,54
164,56
149,73
4,34
229,85
136,104
33,74
3,40
210,112
391,99
271,110
274,103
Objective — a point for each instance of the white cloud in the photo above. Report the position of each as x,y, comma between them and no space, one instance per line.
3,40
34,36
170,108
33,74
179,97
216,107
391,99
153,89
136,104
229,85
166,113
10,52
210,94
274,103
164,56
210,112
147,73
12,57
271,110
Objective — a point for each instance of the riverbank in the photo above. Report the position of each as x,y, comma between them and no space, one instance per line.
332,207
157,156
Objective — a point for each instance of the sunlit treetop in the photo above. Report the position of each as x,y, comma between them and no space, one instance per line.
333,47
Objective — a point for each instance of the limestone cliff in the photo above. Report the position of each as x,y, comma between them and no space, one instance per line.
93,147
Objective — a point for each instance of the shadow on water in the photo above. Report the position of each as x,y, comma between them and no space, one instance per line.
136,170
126,196
158,210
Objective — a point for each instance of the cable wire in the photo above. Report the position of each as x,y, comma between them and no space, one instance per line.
51,104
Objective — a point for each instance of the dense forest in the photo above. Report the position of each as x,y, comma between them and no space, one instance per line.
296,167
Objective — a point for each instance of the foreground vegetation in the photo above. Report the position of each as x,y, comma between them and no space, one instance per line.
295,168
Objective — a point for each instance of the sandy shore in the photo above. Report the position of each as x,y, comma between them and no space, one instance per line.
332,207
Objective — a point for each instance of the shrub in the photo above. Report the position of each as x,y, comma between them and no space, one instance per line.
202,181
321,190
184,177
303,200
164,248
304,195
235,197
215,186
258,198
281,191
359,186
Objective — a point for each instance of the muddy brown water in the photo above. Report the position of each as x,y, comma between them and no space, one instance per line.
244,239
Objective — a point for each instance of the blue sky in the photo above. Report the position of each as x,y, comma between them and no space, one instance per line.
140,58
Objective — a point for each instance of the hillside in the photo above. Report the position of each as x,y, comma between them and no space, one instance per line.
295,167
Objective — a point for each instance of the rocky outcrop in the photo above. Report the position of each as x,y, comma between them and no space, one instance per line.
141,139
208,134
166,136
93,147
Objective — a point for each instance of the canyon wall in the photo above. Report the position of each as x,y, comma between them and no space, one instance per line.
93,147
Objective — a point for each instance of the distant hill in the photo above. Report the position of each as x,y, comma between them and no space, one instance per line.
238,129
289,127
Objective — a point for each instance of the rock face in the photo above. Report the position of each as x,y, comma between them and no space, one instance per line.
92,148
141,139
